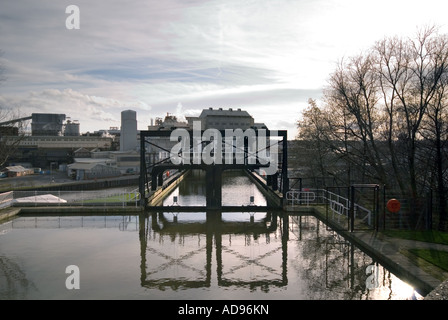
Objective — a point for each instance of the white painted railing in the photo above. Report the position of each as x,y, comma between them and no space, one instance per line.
337,204
6,199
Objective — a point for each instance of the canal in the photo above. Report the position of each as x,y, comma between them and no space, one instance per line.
189,255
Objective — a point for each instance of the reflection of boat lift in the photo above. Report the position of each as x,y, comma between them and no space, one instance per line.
252,219
175,213
198,258
175,201
252,201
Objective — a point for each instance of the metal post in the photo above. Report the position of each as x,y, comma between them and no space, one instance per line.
377,205
429,210
352,208
285,180
384,207
142,180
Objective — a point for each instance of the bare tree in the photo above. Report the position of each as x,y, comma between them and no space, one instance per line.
385,113
313,134
11,132
353,89
412,73
436,129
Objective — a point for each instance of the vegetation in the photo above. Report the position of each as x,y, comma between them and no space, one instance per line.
115,198
11,133
435,257
431,236
384,119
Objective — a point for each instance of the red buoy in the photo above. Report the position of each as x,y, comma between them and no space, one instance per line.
393,205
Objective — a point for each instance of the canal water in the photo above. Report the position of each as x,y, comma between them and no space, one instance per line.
189,255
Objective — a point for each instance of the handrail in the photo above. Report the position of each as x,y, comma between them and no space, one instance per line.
337,204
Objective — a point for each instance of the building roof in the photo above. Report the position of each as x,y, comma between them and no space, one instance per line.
89,166
45,198
84,165
16,169
220,112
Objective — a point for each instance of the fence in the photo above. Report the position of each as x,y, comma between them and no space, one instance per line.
416,213
69,198
370,207
355,211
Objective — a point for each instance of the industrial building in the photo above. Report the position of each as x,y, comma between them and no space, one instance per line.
17,171
104,163
128,135
56,142
209,119
54,138
43,124
47,124
225,119
41,151
71,128
91,171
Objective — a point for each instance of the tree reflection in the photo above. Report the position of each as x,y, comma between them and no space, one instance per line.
179,253
14,284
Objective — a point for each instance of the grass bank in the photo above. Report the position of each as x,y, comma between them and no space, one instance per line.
431,236
437,258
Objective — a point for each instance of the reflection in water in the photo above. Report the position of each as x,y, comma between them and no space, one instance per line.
260,255
179,250
187,255
237,190
213,255
13,281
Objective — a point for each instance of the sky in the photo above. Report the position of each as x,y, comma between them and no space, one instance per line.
267,57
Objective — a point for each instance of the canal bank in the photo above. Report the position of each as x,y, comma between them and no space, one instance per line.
389,252
393,253
59,182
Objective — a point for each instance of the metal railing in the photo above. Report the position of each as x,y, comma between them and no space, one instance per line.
338,205
296,197
6,199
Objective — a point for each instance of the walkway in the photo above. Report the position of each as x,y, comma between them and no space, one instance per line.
393,254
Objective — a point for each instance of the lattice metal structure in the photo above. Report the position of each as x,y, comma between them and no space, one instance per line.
185,157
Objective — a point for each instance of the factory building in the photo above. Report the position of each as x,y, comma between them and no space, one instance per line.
41,151
47,124
103,163
17,171
91,171
225,119
71,128
158,151
54,138
209,119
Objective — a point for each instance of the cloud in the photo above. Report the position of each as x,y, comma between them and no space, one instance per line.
267,57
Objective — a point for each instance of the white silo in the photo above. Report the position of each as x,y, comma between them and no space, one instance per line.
128,135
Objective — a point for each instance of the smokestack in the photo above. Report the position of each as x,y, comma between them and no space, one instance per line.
128,135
